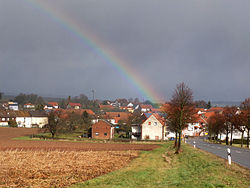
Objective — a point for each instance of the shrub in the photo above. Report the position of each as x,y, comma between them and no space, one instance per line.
12,123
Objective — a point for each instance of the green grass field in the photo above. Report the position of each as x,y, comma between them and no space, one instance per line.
191,168
74,137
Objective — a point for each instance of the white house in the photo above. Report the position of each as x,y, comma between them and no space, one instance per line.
23,119
136,132
38,119
168,134
144,107
13,106
29,106
130,105
236,135
153,128
193,129
74,105
6,116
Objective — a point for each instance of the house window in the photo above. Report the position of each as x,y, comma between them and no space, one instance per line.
155,123
149,123
96,134
105,134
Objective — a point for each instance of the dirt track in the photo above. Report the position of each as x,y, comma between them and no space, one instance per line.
7,134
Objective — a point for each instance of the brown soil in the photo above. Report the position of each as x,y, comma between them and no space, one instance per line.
7,143
57,168
25,163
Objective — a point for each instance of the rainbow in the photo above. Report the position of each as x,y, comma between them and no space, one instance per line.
99,47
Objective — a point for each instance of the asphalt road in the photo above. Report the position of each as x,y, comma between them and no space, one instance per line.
240,156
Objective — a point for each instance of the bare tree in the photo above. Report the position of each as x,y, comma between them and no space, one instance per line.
229,116
240,123
245,106
180,111
215,125
53,123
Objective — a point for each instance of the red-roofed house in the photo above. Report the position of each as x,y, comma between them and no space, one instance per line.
216,109
65,113
144,107
29,106
103,107
89,111
54,104
115,117
51,106
102,130
197,128
201,110
74,105
157,110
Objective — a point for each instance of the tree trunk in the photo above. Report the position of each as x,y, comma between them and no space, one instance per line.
179,144
227,137
248,130
231,139
242,133
175,141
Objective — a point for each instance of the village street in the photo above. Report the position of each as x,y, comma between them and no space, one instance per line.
240,156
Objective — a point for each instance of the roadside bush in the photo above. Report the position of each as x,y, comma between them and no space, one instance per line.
238,141
12,123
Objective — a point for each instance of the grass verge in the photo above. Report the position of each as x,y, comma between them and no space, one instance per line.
162,168
74,137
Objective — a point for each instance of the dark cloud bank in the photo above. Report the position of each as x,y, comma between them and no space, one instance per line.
203,43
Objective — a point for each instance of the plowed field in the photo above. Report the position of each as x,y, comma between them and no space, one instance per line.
57,168
6,143
57,163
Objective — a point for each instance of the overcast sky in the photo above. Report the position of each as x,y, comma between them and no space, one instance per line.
204,43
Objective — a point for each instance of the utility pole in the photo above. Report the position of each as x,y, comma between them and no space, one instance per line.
93,92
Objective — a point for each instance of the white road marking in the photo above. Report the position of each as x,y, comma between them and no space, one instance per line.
237,151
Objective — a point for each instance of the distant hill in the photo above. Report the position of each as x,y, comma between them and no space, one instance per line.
225,103
8,97
46,99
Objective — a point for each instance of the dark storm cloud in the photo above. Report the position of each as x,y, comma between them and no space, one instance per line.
203,43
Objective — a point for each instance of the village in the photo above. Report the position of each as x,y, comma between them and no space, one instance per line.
114,119
124,93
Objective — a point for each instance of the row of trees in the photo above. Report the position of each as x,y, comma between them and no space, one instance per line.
180,111
29,98
74,122
202,104
83,100
68,123
231,120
